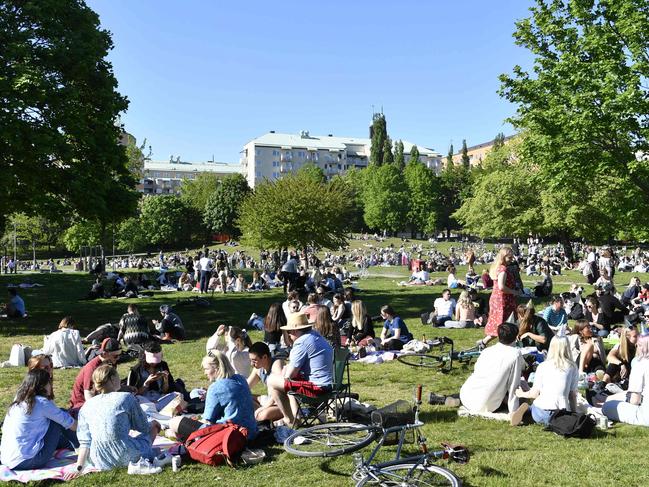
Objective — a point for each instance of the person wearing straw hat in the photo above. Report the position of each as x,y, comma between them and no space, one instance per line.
309,370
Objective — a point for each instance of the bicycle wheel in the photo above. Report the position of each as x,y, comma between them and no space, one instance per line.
329,440
421,360
407,474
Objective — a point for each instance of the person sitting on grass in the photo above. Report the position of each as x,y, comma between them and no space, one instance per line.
15,308
64,345
621,356
533,331
133,327
234,342
496,377
171,327
360,329
309,370
228,398
587,349
105,421
444,308
151,377
633,406
610,306
464,312
273,322
82,390
555,382
323,325
394,334
595,317
263,365
554,314
34,427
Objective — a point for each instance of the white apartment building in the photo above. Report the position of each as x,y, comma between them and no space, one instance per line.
273,155
165,177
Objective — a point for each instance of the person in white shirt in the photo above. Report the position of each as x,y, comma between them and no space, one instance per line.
633,406
496,377
444,308
555,382
64,345
206,264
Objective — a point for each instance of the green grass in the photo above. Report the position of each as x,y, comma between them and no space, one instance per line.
501,455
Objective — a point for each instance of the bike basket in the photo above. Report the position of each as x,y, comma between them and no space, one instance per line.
398,413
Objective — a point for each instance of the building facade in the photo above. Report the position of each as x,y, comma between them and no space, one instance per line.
477,153
273,155
166,177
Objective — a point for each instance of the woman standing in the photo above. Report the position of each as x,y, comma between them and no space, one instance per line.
502,303
34,427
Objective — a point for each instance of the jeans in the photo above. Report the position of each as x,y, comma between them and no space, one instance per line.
441,320
541,415
205,277
55,437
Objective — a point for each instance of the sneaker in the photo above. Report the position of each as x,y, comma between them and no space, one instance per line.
439,400
517,416
614,388
162,460
143,467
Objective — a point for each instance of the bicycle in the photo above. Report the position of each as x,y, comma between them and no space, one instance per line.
334,439
442,362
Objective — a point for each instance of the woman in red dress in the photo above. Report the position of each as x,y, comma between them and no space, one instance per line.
503,297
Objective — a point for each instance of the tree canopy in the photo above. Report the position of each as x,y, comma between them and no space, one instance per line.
59,113
385,198
224,205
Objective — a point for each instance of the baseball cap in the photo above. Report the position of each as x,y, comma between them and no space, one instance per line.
110,345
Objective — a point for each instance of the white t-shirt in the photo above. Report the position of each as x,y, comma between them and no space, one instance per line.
639,378
206,264
443,307
554,386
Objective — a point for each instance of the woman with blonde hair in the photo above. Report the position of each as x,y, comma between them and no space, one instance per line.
360,329
621,356
464,313
64,345
555,383
228,398
502,303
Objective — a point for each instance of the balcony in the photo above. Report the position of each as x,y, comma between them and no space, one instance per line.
286,157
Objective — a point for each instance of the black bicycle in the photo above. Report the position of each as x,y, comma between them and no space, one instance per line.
442,361
330,440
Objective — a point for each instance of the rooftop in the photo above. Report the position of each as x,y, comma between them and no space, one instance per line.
181,166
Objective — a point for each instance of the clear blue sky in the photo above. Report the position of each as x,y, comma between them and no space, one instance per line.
205,77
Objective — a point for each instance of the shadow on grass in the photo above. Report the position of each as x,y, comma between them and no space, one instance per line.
439,416
326,467
492,472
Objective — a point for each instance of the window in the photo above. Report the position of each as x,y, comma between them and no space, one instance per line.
275,152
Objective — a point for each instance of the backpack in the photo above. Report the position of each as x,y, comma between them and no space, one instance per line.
570,424
217,444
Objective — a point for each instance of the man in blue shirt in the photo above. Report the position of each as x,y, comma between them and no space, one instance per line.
554,314
309,370
16,306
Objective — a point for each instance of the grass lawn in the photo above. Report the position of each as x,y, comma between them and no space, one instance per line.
501,455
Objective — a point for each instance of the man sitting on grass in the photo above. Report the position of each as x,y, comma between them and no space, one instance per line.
264,365
309,371
496,377
15,308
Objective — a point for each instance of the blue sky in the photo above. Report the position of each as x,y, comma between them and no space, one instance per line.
205,77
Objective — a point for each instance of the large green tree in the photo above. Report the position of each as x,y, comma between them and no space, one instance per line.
379,136
586,99
466,161
414,154
224,205
449,156
196,192
296,211
165,221
399,159
59,113
422,197
454,187
385,198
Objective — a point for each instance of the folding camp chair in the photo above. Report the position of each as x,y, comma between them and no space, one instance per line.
312,410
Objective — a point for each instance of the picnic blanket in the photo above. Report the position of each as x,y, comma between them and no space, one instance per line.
57,466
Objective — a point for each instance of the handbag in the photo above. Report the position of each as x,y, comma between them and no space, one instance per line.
571,424
217,444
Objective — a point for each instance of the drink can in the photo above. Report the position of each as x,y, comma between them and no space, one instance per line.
603,422
175,463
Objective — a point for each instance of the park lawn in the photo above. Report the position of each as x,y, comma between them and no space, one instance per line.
501,455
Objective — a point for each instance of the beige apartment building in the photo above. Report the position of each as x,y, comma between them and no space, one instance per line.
272,155
477,153
165,177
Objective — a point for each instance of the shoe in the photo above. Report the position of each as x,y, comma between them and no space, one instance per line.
439,400
143,467
162,460
614,388
517,416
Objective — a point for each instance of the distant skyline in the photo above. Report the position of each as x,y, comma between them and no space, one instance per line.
204,78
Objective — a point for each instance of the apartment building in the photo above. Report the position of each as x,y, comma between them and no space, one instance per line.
272,155
165,177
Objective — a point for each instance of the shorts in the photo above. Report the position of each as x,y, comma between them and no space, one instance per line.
305,388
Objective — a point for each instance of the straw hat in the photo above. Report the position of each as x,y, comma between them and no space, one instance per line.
296,321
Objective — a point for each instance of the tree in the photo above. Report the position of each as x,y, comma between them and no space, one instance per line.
422,198
466,161
454,187
354,184
165,221
81,234
136,157
385,198
131,235
399,159
223,206
313,171
296,211
59,114
414,154
388,157
449,157
379,133
196,192
587,100
499,141
27,231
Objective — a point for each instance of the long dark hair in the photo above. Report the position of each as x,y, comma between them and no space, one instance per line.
274,318
34,384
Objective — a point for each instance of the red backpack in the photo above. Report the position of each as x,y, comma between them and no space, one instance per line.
217,444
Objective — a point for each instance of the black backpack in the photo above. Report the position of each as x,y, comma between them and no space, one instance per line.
571,425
